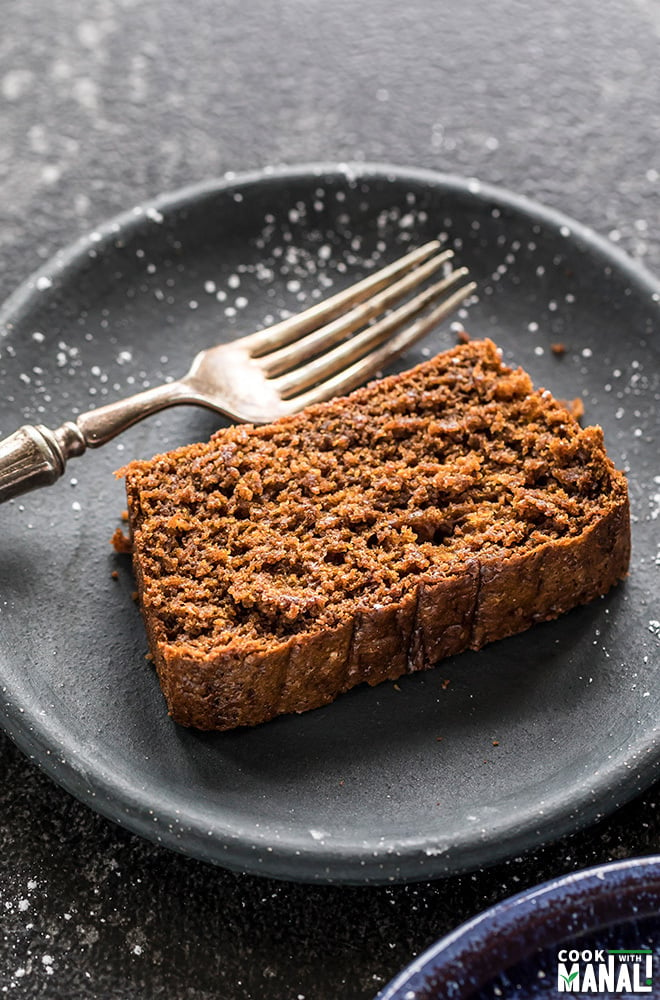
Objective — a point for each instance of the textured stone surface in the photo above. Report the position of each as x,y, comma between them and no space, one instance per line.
108,102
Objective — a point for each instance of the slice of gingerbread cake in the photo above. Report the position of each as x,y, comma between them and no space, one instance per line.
425,514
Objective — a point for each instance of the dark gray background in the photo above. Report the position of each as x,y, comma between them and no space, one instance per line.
110,102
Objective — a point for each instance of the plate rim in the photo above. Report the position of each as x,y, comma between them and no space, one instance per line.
302,859
66,257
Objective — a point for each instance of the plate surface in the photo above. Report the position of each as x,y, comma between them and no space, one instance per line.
478,759
514,949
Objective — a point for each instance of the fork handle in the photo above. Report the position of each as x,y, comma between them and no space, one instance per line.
35,456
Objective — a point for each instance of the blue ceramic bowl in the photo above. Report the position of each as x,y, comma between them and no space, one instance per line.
521,946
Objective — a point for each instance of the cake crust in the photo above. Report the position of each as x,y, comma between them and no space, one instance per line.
290,642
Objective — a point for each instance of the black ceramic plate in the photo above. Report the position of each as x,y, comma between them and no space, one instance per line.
484,756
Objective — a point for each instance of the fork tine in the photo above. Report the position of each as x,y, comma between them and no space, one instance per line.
294,355
291,329
293,382
367,366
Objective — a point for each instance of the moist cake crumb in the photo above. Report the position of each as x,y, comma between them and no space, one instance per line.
373,535
121,543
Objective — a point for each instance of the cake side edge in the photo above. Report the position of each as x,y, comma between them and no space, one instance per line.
493,599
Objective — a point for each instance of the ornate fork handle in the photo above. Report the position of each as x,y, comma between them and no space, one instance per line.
36,456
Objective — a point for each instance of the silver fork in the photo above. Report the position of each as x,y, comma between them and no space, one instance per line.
279,370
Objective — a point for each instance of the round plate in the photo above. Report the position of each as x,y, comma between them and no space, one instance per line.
480,758
609,916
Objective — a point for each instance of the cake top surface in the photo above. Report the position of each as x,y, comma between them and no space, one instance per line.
267,532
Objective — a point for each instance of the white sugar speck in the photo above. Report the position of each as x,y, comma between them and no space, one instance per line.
209,286
43,282
15,83
89,34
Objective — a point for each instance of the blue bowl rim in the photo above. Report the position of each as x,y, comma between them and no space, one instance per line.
540,916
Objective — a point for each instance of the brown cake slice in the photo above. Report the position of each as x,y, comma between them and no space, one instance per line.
425,514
